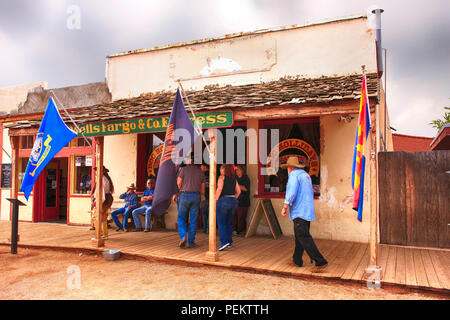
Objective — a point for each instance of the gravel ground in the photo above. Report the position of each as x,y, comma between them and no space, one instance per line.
48,274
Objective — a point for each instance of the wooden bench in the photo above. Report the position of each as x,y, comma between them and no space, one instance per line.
157,223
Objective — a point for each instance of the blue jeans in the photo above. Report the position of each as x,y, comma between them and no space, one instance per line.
205,216
126,212
148,216
225,210
188,204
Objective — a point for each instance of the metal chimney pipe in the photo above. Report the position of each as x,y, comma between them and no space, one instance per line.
378,12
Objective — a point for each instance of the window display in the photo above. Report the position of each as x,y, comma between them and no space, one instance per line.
82,177
299,138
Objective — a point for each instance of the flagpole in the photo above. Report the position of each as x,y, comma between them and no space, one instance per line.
373,248
198,130
78,128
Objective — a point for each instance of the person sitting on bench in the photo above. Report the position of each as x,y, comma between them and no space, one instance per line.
147,196
131,203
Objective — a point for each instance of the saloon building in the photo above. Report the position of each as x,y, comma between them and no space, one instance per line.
304,80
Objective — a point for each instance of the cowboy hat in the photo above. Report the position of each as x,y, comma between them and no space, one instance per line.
131,186
292,162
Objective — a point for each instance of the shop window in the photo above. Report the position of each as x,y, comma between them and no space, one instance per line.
27,142
82,174
81,142
23,162
299,138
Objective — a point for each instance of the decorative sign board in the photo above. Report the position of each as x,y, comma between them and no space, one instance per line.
6,175
269,213
206,119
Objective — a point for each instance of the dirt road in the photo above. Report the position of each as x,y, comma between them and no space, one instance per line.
50,274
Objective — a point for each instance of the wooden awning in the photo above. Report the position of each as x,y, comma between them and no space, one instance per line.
324,95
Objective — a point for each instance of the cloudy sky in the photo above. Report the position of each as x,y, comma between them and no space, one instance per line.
37,44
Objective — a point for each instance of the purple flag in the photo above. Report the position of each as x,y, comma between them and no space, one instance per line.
166,180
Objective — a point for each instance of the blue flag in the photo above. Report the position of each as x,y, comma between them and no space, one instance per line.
166,180
53,135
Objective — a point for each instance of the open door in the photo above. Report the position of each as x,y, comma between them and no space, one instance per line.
52,191
47,193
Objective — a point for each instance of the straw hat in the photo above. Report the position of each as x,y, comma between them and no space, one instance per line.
292,162
131,186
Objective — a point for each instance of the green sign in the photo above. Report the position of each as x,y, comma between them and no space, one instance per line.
208,119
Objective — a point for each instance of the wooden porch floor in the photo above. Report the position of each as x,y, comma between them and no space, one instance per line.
409,267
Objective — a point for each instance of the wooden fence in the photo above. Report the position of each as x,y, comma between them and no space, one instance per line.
414,198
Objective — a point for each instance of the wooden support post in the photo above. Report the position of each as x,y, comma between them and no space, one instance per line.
373,245
373,271
98,241
212,253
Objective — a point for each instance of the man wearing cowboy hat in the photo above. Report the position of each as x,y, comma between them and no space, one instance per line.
108,190
300,200
131,203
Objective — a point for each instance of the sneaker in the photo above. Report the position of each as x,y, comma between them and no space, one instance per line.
224,246
119,229
146,230
235,233
92,228
182,243
126,230
138,230
229,246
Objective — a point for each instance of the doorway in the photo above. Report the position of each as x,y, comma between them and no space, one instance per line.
51,193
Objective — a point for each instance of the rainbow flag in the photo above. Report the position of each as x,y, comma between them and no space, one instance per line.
359,159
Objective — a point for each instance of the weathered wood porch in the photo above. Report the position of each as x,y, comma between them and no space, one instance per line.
416,268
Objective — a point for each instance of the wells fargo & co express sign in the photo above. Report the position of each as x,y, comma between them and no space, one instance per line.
207,119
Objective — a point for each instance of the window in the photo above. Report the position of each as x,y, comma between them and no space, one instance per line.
23,162
27,142
82,174
81,142
299,138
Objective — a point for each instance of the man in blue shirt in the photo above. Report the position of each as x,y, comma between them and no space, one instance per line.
131,203
300,200
147,196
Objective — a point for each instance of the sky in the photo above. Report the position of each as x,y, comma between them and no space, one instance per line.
41,40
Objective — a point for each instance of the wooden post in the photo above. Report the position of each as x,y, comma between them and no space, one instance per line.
373,245
98,241
212,253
